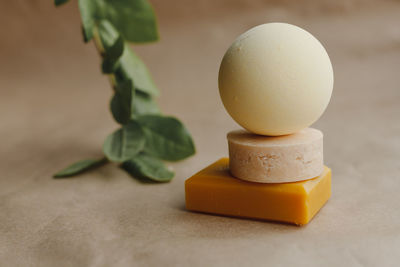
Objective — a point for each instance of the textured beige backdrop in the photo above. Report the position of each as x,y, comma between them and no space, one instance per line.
53,110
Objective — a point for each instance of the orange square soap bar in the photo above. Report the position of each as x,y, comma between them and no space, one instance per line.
215,190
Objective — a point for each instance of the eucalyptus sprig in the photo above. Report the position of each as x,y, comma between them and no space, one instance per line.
145,138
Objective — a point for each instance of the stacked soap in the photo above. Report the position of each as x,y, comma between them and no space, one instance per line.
276,159
275,80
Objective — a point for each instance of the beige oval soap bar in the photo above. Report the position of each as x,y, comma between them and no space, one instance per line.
276,159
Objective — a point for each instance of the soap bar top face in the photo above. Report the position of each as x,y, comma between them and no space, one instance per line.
276,159
275,79
214,190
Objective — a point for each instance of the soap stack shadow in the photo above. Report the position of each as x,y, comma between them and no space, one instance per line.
279,178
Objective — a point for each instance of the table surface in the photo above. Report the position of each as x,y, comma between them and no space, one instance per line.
53,107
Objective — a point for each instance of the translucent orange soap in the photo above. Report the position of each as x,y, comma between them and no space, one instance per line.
214,190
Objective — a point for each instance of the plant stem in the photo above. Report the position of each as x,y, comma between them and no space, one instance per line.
97,41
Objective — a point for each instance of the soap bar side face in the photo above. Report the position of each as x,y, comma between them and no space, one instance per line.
319,195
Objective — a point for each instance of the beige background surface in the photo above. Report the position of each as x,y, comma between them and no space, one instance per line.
53,110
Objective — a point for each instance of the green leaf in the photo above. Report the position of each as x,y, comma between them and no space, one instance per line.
134,19
144,104
130,66
128,103
108,36
110,15
113,45
60,2
110,59
121,104
88,13
145,166
166,137
119,109
108,66
124,143
79,167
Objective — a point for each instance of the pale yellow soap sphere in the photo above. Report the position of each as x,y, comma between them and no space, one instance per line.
275,79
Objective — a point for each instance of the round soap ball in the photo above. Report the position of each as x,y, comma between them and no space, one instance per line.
275,79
